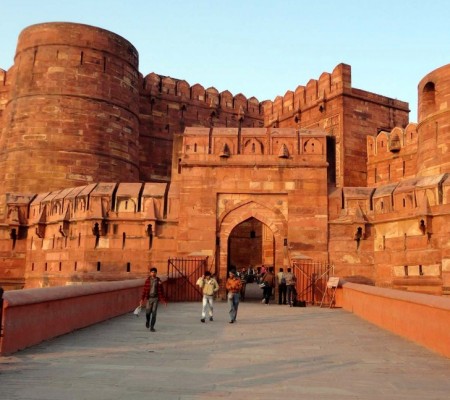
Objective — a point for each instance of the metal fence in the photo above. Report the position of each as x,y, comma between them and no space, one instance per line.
183,274
311,279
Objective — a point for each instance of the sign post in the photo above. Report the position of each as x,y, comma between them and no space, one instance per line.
332,285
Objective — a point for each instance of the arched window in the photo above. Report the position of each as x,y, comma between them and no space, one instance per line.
428,98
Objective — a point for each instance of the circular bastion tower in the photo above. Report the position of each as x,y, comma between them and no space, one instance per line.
433,156
72,113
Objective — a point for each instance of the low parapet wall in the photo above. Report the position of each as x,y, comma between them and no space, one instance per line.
422,318
31,316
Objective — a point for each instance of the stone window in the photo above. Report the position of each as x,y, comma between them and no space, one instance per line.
428,97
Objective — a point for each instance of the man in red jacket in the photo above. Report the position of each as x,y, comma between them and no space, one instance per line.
152,294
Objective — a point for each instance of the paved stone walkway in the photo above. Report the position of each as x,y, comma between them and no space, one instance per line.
272,352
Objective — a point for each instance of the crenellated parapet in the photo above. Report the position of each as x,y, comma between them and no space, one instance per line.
315,94
409,197
319,105
396,218
99,202
73,233
253,145
101,206
169,105
392,156
387,144
158,86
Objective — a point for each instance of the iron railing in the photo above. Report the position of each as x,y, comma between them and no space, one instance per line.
183,274
311,279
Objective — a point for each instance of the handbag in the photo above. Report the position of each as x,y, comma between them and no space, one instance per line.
263,285
137,310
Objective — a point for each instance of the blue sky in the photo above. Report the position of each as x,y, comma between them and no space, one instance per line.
262,48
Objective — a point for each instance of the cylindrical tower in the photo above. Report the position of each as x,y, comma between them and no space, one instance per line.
433,155
72,116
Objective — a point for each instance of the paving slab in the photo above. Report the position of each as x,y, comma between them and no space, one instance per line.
271,352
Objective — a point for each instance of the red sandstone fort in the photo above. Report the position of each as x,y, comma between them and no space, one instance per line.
105,171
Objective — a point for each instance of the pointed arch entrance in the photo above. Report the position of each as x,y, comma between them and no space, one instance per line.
263,218
250,244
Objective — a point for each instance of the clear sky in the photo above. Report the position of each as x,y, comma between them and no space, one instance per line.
261,48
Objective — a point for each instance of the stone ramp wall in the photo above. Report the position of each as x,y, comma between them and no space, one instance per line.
422,318
31,316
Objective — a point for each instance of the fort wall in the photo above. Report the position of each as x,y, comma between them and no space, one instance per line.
394,235
230,176
350,115
71,116
392,156
169,105
97,232
434,127
330,172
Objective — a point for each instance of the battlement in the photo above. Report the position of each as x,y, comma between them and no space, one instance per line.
98,201
314,93
392,156
159,85
282,143
410,198
389,144
168,106
315,96
75,35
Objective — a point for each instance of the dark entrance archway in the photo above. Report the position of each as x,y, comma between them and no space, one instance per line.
273,222
250,245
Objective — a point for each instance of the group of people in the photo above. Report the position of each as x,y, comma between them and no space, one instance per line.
286,286
153,292
210,287
287,294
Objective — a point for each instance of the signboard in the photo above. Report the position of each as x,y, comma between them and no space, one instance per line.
333,282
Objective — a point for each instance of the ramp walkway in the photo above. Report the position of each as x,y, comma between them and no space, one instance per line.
272,352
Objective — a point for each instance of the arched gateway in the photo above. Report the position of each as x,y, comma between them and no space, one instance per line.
230,219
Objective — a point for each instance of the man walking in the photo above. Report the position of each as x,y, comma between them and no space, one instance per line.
233,287
281,287
152,294
209,288
290,287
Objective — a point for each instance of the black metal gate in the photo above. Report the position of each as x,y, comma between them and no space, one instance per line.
312,278
183,274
